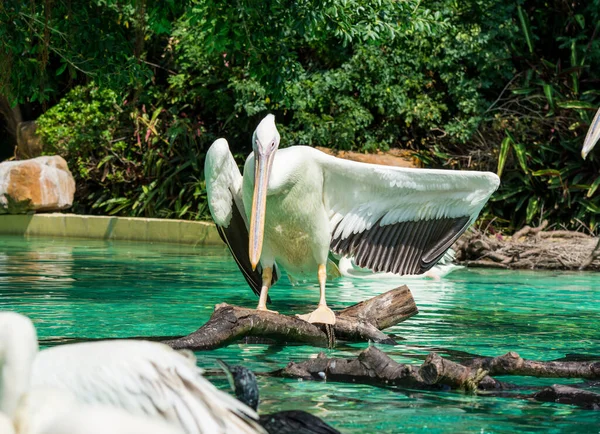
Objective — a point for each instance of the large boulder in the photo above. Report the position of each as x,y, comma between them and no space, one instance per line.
39,184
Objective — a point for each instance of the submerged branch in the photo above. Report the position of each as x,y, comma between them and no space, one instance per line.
374,367
512,364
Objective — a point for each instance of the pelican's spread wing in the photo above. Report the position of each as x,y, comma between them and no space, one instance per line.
396,219
144,378
224,190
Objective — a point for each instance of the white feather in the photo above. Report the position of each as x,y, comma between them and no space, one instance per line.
223,182
140,377
364,193
6,425
53,411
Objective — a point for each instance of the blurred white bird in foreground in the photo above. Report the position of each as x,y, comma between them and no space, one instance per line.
6,426
147,379
54,411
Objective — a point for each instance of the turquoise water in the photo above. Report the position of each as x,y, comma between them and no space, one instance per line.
80,290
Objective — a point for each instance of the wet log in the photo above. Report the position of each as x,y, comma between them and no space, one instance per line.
437,370
569,395
359,323
512,364
373,366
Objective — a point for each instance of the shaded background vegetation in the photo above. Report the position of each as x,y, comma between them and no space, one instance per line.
133,92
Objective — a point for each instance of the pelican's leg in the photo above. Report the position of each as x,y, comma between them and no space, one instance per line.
267,275
322,314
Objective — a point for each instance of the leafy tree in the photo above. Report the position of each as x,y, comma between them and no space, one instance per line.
133,92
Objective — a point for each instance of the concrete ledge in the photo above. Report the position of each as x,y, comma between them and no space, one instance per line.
110,228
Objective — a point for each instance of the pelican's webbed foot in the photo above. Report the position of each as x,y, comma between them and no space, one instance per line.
264,309
322,315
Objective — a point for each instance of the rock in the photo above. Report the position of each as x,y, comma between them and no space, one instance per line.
29,144
393,157
39,184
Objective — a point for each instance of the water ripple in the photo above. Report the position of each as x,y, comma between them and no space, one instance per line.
81,290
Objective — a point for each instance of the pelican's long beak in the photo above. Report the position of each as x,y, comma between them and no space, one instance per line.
262,169
592,137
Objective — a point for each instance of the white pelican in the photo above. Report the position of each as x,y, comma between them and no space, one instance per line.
301,203
143,378
592,136
54,411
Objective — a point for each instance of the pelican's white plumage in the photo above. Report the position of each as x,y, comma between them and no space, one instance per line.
223,182
142,378
301,203
6,425
592,137
53,411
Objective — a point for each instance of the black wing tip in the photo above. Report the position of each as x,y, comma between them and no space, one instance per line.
412,247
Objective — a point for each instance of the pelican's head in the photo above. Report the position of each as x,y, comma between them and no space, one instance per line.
592,137
265,139
18,348
265,142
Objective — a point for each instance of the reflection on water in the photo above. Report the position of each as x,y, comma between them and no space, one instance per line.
92,289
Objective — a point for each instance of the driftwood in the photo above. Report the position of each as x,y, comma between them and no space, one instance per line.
530,248
512,364
361,322
374,367
437,370
569,395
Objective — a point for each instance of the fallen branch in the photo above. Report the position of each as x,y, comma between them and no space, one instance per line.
512,364
528,230
374,367
530,248
569,395
437,370
360,323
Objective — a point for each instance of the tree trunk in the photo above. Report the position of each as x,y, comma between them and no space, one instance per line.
12,116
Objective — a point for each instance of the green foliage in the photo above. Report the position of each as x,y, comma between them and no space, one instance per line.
80,125
15,206
391,75
480,84
543,114
151,169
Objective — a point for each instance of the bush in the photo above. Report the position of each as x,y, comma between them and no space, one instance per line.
125,160
481,84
